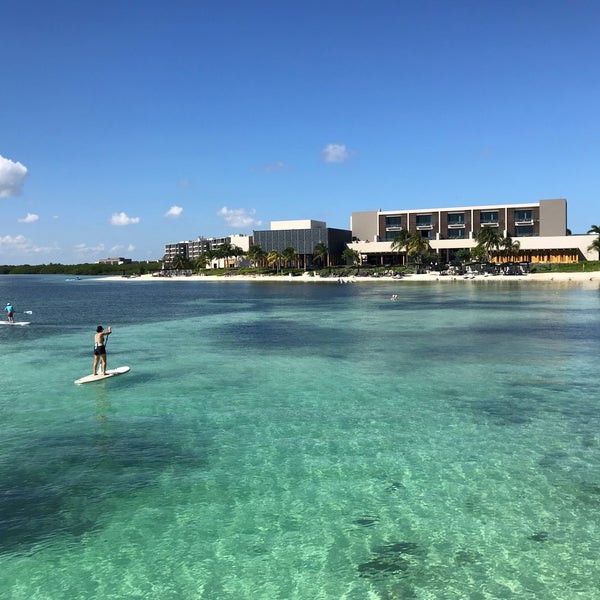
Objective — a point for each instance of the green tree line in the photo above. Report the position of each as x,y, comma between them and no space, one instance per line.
133,268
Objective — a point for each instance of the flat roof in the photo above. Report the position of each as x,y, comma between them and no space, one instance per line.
459,208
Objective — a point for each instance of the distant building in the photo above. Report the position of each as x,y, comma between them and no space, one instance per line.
303,236
193,249
539,227
176,249
115,261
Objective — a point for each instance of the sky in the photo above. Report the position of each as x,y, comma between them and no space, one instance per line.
128,125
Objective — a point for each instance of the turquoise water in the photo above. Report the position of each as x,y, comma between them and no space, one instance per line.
301,440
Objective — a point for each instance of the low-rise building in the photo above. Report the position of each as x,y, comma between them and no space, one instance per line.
115,261
193,249
540,228
303,236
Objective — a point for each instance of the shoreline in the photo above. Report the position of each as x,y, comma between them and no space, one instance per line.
592,278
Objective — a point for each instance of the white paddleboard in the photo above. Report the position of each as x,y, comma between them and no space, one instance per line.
15,323
109,373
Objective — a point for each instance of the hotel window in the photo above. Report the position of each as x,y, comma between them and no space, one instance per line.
488,217
393,222
456,234
524,230
523,216
423,221
426,233
456,218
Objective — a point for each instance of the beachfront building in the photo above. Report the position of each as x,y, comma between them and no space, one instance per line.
192,250
540,228
303,236
118,260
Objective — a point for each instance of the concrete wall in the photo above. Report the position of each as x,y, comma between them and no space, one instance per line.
364,225
298,224
553,217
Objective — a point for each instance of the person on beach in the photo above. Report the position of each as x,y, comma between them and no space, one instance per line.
100,348
10,311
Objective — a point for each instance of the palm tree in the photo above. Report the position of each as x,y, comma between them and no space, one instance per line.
179,262
256,254
321,253
226,250
478,253
236,253
212,255
203,260
510,248
594,229
400,241
350,255
595,245
490,239
274,259
417,248
289,257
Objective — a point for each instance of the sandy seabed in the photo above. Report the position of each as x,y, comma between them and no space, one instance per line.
591,278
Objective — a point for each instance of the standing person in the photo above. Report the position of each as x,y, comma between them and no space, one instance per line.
10,311
100,348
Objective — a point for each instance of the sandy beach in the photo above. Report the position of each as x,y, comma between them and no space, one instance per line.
591,278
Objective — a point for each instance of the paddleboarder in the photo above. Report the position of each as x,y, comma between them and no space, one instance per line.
100,340
10,311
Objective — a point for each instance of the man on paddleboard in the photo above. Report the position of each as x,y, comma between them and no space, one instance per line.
100,348
10,311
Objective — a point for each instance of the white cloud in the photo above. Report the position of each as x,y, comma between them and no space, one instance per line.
30,218
238,217
12,175
118,248
122,219
85,249
174,212
335,153
20,244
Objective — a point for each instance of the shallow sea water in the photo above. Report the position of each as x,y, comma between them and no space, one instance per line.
301,440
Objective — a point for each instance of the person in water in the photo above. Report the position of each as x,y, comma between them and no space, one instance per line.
100,348
10,311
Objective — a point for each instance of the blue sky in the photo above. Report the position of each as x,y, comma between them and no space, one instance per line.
128,125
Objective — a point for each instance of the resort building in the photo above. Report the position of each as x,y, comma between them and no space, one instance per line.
539,227
115,261
192,249
176,249
303,236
